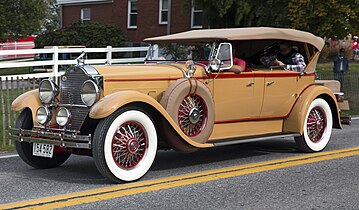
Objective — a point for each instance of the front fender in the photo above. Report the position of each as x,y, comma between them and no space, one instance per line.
295,120
110,103
29,100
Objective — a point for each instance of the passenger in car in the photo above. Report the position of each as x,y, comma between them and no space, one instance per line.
239,65
288,57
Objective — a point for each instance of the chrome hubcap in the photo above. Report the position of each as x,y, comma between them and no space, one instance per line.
129,144
194,115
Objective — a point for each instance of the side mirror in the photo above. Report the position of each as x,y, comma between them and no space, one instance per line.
223,59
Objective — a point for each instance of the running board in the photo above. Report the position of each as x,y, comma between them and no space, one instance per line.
247,139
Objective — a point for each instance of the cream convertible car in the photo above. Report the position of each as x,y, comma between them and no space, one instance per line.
182,98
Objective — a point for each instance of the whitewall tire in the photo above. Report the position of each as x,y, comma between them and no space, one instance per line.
318,126
125,145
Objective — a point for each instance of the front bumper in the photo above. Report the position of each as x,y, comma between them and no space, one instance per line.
53,138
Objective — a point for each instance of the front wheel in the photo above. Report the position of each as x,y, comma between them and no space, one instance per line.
125,145
24,149
318,127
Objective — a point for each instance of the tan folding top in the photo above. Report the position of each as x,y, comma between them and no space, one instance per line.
231,34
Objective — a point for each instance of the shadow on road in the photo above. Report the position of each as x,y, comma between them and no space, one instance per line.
82,170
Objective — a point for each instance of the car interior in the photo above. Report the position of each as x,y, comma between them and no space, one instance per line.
252,51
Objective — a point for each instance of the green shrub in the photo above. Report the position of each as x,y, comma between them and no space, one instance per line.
86,34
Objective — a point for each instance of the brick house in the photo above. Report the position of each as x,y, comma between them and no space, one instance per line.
138,19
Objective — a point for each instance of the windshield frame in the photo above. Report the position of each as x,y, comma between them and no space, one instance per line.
151,50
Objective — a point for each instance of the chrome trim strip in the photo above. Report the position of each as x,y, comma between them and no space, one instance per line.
230,141
72,105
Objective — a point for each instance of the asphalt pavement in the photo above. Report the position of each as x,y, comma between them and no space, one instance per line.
329,184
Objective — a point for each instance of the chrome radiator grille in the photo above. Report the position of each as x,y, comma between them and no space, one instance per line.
70,96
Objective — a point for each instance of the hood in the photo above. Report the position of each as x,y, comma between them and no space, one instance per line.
140,72
141,77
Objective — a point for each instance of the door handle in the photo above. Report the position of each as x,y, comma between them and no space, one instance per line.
250,84
270,83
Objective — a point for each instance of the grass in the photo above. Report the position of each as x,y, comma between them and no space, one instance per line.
14,71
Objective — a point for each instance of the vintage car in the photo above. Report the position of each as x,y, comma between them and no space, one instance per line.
183,97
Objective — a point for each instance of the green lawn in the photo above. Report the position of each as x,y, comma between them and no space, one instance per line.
13,71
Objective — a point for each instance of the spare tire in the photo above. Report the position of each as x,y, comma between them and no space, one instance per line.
190,104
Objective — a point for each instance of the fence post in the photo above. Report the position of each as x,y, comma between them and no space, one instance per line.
109,55
55,58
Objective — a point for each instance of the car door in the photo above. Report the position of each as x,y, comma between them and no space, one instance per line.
280,93
238,97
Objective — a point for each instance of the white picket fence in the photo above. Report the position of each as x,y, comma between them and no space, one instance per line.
55,62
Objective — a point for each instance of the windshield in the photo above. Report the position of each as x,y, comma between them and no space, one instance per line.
179,52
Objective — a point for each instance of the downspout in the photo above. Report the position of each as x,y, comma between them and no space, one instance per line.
169,17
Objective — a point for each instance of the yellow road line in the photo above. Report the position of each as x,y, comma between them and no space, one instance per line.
116,191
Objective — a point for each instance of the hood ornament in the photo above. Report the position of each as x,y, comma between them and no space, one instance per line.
81,59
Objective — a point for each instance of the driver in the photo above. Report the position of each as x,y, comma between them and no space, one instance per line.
239,65
288,57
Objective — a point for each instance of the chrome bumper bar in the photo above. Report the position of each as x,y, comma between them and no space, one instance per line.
56,139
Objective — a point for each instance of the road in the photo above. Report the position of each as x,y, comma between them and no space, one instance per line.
262,175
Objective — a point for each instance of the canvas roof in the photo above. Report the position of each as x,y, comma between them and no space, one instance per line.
232,34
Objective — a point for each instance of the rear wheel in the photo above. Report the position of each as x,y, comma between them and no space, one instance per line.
125,145
24,149
318,127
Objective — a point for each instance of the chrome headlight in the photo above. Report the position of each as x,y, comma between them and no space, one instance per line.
90,93
63,116
43,115
48,90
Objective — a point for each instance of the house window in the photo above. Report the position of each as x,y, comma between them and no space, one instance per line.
196,15
163,15
132,14
85,15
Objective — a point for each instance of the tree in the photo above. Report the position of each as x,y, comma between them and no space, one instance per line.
331,18
242,13
20,18
53,17
87,34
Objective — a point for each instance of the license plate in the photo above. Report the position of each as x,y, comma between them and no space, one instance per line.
43,150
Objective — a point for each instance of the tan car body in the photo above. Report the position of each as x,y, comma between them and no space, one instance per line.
247,104
126,84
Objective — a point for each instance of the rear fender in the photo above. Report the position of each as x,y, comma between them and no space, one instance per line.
110,103
296,118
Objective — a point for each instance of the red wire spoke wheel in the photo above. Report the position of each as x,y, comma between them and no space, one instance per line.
190,104
125,144
317,127
129,144
192,115
316,124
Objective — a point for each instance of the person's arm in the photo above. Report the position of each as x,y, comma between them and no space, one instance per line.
299,63
237,69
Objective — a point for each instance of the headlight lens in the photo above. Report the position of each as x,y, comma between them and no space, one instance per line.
90,93
63,116
43,115
48,90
